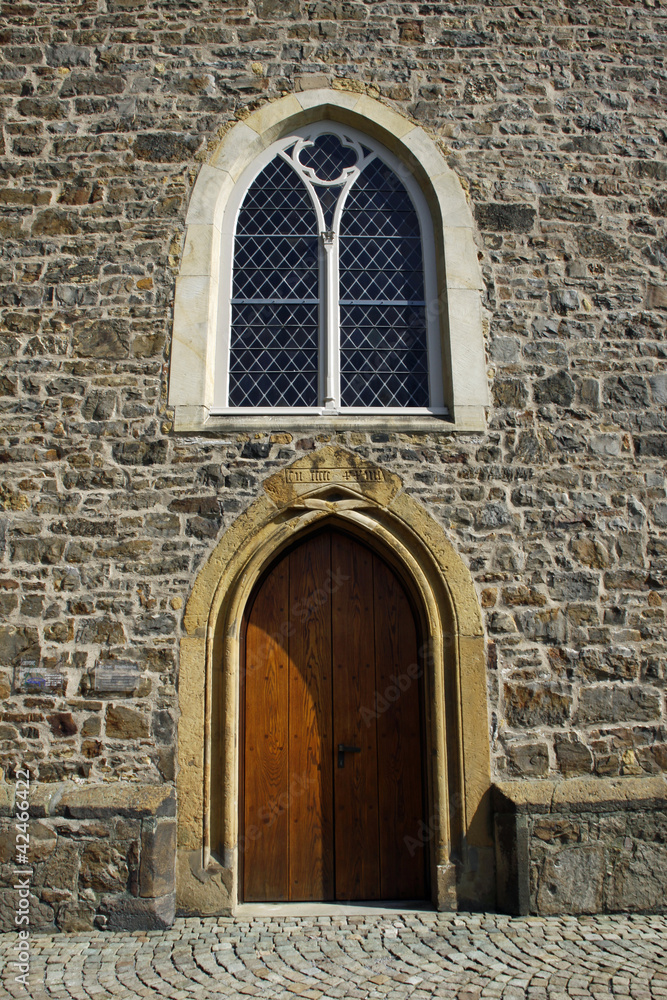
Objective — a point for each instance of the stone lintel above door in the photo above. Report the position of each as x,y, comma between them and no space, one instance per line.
335,467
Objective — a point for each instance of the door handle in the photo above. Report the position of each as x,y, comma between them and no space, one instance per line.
342,750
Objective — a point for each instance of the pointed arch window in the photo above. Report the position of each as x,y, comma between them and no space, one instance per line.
329,262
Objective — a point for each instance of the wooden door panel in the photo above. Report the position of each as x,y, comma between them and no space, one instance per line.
399,740
329,642
355,784
311,852
265,840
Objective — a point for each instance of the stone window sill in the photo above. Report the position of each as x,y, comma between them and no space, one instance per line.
197,420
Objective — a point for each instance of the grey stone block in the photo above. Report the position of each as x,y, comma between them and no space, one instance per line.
639,879
157,871
127,913
618,704
571,880
505,218
572,756
119,799
512,863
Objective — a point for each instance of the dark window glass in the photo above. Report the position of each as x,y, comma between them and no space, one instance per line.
274,356
274,336
383,316
327,157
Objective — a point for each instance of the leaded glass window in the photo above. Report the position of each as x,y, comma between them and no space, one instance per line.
383,348
328,298
274,347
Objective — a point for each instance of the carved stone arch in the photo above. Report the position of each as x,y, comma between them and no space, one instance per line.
337,487
459,305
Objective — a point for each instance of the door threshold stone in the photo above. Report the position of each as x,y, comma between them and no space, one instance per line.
333,909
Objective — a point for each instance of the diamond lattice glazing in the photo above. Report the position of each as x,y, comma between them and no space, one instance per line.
277,288
328,157
274,338
384,359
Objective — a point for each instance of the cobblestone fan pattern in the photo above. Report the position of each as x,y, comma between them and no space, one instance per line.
553,117
425,955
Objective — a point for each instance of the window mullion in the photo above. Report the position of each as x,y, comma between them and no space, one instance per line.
329,319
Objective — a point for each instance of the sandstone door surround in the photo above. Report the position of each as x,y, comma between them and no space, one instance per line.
336,488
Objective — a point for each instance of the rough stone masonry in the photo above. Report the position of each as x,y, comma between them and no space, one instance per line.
553,116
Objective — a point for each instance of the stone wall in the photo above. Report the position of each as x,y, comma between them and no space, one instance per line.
101,856
582,845
553,117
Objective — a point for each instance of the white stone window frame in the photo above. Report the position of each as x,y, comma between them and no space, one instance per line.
203,287
329,341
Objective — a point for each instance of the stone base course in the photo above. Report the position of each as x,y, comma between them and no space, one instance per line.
414,955
101,856
583,845
105,857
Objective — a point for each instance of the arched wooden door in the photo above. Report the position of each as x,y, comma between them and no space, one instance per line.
333,797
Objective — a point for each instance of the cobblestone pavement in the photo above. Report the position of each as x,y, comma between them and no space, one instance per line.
415,955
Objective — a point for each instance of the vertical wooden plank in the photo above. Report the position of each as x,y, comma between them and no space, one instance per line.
265,827
310,789
402,852
355,785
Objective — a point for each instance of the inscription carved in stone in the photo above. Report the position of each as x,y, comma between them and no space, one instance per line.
369,475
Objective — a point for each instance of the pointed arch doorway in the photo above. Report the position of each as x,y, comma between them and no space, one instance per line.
332,775
334,488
